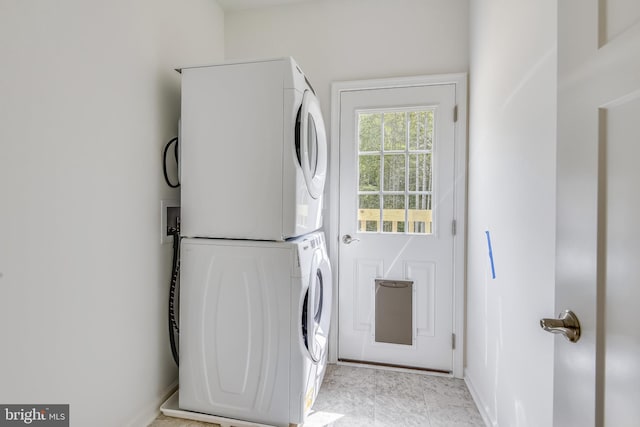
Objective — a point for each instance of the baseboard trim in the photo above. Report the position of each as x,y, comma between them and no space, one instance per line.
152,410
482,408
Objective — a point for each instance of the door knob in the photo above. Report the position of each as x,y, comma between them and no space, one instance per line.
347,239
567,325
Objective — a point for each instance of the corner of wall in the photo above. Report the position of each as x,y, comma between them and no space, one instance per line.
512,195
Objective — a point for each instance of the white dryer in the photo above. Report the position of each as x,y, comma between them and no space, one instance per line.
254,322
253,151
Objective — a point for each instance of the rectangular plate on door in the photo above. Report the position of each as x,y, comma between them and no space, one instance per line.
394,311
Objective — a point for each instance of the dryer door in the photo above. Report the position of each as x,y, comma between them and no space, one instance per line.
316,311
311,144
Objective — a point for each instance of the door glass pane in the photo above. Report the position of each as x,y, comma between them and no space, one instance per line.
394,172
395,131
369,213
420,172
421,130
370,132
395,164
393,219
419,214
369,173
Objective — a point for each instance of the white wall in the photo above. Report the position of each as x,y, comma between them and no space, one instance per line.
512,194
88,99
335,40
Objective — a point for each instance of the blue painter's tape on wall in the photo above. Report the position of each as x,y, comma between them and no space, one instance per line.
493,268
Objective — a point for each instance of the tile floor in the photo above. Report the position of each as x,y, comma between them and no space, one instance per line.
353,396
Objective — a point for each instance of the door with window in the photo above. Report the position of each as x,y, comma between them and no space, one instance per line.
397,225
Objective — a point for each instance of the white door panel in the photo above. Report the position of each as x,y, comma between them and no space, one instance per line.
596,379
400,221
622,343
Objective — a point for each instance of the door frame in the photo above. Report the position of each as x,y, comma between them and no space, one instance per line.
459,80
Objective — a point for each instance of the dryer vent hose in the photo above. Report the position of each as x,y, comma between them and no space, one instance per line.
174,330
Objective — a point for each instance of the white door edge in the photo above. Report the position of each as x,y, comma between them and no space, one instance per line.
460,198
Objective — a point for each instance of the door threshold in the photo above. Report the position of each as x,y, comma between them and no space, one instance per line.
394,367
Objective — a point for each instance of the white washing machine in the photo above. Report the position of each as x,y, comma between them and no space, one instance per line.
254,323
253,151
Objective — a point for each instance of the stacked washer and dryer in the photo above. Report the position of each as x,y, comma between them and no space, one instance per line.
255,281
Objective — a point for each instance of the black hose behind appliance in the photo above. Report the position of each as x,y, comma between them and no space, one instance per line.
174,289
174,286
164,161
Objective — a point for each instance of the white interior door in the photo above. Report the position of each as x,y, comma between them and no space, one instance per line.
597,379
397,199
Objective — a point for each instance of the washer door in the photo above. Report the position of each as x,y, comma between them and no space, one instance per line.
316,310
311,144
